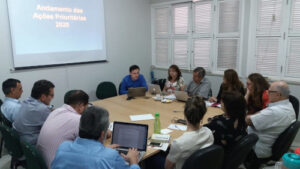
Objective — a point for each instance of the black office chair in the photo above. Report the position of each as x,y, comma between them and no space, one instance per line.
160,82
207,158
106,90
240,151
282,143
34,159
295,103
6,122
13,146
120,88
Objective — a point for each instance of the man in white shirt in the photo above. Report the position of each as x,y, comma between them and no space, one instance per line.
270,122
12,88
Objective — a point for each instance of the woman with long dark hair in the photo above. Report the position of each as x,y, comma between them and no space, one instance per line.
230,127
257,93
231,82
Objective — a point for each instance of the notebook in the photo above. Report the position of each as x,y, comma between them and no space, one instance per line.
130,135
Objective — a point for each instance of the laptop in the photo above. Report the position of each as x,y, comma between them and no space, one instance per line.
136,92
181,96
154,89
130,135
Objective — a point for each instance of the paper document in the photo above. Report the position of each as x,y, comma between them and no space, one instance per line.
171,97
177,127
141,117
111,126
163,147
165,131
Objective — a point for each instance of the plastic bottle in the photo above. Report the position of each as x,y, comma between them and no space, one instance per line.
157,124
278,165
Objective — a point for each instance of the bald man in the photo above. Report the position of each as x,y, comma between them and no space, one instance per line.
270,122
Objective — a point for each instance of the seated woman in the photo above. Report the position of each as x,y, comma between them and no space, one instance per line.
230,127
257,93
175,80
195,138
231,82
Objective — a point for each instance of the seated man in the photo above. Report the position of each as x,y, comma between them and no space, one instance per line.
135,79
88,151
200,86
34,111
270,122
11,106
62,124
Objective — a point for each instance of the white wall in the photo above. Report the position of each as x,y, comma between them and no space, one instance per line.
216,80
128,38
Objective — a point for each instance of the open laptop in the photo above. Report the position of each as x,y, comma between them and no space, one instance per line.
181,95
130,135
136,92
154,89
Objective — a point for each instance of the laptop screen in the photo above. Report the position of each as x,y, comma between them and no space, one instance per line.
130,135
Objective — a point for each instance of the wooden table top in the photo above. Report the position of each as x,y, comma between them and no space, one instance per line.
120,109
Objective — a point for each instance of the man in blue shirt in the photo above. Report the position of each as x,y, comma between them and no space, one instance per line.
34,111
88,151
12,89
135,79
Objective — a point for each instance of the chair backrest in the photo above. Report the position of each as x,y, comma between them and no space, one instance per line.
160,82
3,119
1,102
11,141
284,141
295,103
34,159
120,88
239,152
207,158
106,90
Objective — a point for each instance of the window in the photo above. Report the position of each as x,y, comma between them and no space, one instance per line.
202,33
276,39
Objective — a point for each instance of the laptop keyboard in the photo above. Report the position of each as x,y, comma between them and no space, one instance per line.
123,151
141,154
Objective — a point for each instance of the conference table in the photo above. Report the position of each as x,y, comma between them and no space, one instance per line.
120,109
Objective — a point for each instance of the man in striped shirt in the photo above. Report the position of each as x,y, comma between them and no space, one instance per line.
62,124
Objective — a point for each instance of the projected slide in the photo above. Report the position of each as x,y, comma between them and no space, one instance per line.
47,32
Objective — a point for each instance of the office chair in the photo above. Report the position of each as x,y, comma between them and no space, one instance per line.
239,152
207,158
106,90
295,103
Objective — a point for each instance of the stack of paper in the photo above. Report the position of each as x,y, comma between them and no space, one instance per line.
141,117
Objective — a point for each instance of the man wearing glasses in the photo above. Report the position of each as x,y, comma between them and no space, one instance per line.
34,111
270,122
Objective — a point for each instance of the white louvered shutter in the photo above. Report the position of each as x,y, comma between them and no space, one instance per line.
162,21
229,16
227,54
162,52
267,55
269,17
181,19
202,17
295,23
293,62
202,48
180,52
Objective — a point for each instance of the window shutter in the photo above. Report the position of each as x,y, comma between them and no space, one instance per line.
161,21
227,54
202,17
269,17
295,26
162,52
181,19
202,52
266,55
180,52
229,16
293,69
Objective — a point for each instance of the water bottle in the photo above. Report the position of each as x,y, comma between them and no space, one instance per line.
157,124
278,165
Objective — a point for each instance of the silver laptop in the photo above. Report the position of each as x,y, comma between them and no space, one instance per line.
181,96
130,135
136,92
154,89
